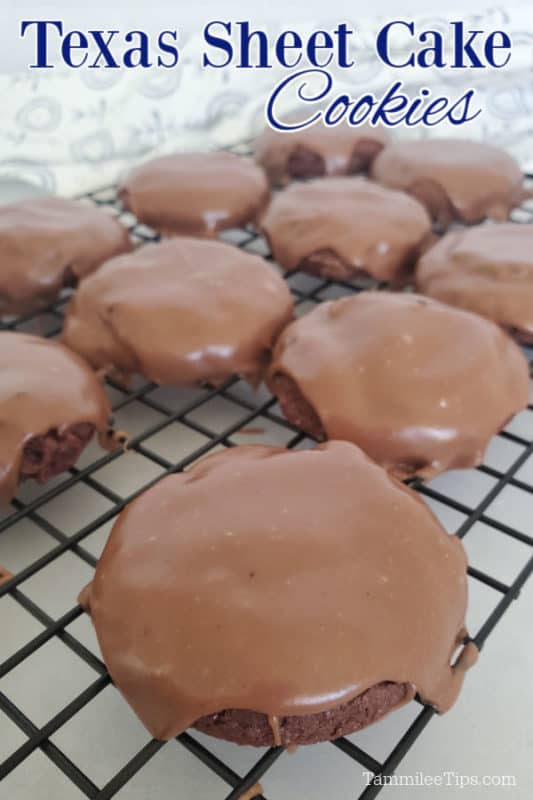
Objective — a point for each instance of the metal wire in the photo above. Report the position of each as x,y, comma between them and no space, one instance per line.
40,737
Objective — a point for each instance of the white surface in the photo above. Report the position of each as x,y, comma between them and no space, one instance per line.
71,131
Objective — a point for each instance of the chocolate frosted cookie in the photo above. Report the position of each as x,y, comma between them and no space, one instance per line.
184,311
317,151
454,178
195,194
489,270
342,228
293,578
48,243
51,403
418,385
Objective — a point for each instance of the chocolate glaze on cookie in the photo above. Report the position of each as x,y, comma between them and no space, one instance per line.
487,269
341,228
317,150
195,194
184,311
48,243
50,405
454,178
262,730
307,587
418,385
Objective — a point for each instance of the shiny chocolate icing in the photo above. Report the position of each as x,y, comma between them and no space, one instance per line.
43,387
488,269
418,385
342,150
370,229
183,311
195,194
455,178
286,582
49,242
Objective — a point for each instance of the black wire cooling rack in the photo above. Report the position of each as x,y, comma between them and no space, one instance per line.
168,410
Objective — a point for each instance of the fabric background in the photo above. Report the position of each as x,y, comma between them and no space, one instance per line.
75,131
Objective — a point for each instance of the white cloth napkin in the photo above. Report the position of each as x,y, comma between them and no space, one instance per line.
75,131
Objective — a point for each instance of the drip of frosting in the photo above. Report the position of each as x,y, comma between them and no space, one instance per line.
284,582
273,721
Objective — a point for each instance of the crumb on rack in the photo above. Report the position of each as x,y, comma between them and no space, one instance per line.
253,791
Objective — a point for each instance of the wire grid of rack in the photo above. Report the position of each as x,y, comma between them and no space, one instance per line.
171,429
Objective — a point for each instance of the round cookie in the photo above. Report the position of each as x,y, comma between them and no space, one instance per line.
317,151
293,579
183,311
342,228
418,385
51,403
454,178
195,194
48,243
487,269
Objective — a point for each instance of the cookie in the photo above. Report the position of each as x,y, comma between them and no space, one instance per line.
456,179
195,194
293,578
184,311
343,228
317,151
48,243
418,385
51,404
487,269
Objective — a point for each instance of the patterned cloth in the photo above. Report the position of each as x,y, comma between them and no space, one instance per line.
75,131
